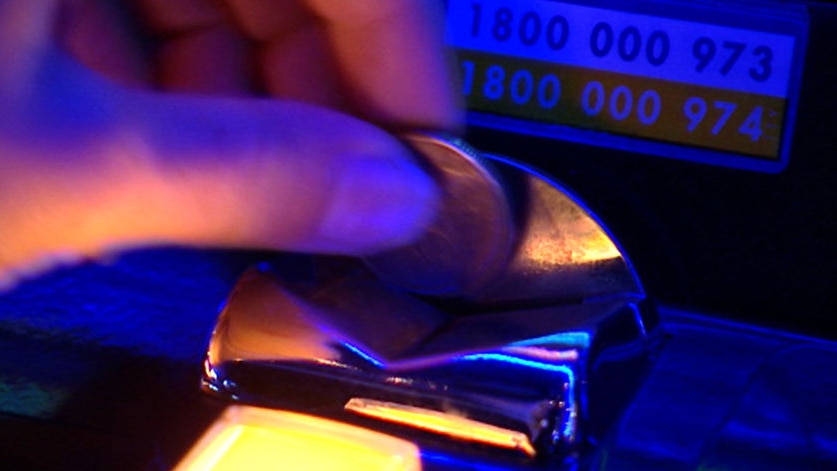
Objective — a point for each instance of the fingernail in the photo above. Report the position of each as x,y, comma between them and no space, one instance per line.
378,204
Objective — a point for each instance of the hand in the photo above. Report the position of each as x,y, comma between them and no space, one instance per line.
97,156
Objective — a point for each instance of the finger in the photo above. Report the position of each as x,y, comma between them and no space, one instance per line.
127,168
294,59
214,60
25,38
98,34
199,52
265,20
177,169
175,16
388,55
298,67
214,173
391,55
280,175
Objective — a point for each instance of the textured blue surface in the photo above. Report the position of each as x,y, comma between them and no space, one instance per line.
99,363
157,303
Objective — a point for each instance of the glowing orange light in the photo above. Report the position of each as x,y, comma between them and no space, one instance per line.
442,423
261,439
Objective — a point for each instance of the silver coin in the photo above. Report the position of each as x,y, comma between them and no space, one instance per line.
471,240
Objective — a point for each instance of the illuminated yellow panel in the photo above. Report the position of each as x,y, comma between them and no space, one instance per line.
261,439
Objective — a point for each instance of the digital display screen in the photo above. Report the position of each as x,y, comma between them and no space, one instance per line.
695,80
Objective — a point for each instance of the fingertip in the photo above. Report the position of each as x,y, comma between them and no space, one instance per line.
282,175
376,205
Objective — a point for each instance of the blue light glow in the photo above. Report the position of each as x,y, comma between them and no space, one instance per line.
519,361
569,420
367,357
569,339
457,463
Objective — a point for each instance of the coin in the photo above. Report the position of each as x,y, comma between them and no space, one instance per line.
470,241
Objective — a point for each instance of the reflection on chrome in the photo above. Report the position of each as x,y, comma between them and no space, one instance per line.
561,232
534,368
536,374
444,423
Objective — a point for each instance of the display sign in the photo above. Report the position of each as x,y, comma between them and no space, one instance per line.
702,81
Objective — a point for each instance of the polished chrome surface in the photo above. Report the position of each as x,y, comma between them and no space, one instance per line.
508,374
564,254
265,319
505,235
470,241
512,360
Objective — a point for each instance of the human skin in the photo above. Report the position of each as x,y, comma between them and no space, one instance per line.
253,123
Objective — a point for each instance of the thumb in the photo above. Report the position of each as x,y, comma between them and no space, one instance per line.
274,174
144,168
88,166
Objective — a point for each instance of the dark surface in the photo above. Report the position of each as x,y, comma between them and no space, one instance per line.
99,364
